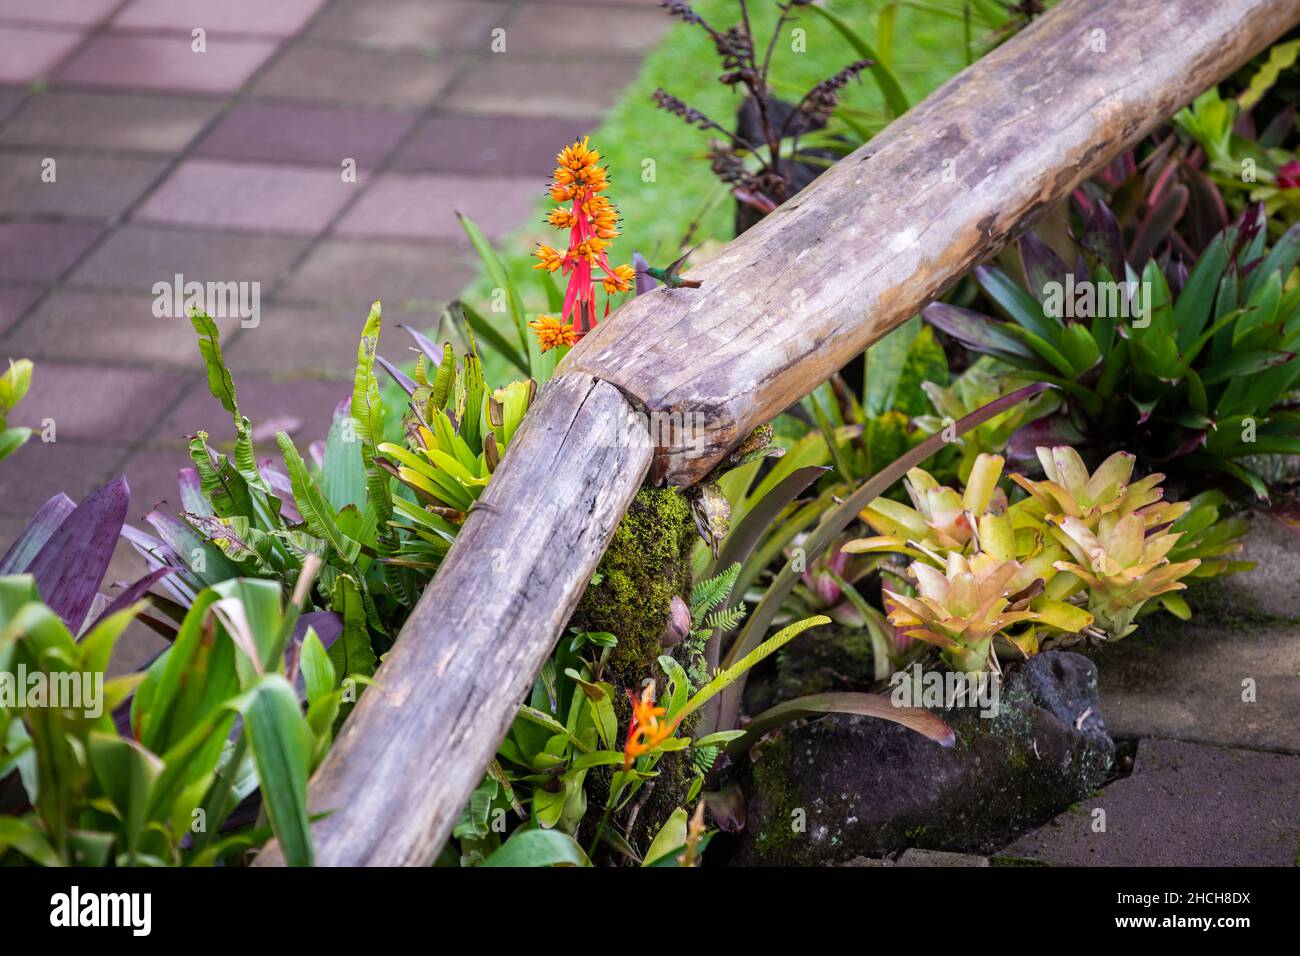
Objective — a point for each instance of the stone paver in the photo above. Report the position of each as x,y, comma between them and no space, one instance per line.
256,197
89,325
279,132
14,301
67,13
1185,804
574,87
85,186
424,206
137,256
280,18
397,79
226,166
549,29
97,402
41,251
348,271
445,25
138,123
1212,679
28,53
489,144
164,63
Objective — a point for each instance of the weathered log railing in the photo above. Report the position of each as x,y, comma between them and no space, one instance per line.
874,239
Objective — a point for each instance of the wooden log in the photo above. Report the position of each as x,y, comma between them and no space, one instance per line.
869,243
419,739
887,229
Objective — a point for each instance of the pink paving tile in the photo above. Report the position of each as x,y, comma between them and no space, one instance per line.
443,25
550,29
86,186
28,54
38,471
512,85
355,272
115,327
489,144
383,78
253,196
97,402
278,18
136,122
14,301
165,63
301,406
305,134
42,251
425,206
77,13
136,256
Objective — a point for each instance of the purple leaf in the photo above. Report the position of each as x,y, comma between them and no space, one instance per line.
71,565
1103,239
977,332
1042,265
644,282
401,378
135,591
1153,229
32,538
1048,431
282,487
431,351
191,492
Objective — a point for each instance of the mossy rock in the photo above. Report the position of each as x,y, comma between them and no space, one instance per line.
846,786
646,564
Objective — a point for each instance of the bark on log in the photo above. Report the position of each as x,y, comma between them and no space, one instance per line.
418,741
873,240
887,229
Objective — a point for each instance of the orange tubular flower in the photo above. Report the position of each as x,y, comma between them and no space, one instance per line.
647,730
592,222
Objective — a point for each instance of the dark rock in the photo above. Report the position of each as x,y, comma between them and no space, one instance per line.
846,786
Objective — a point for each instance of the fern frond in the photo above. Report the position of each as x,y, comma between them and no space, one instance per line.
726,620
708,594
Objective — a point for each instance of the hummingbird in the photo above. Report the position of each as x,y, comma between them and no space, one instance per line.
671,276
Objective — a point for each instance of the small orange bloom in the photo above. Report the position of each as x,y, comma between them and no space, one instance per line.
561,218
620,280
552,333
551,259
646,730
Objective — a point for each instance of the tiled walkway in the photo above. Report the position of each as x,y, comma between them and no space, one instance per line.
226,166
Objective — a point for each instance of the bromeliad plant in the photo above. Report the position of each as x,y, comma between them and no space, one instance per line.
148,768
987,571
1198,375
457,431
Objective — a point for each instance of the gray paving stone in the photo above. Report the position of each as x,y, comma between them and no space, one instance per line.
1185,804
1186,681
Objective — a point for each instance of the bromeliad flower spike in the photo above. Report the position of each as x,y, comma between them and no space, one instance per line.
592,222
